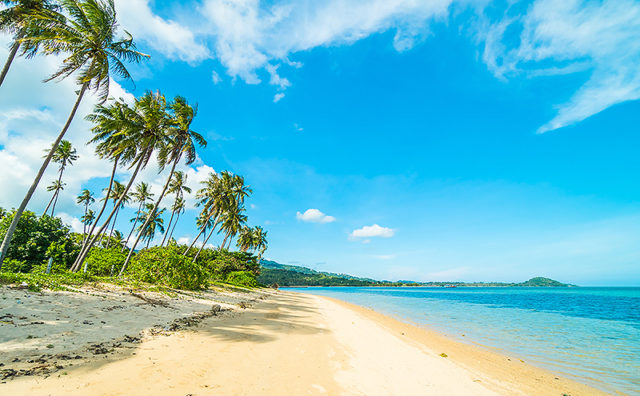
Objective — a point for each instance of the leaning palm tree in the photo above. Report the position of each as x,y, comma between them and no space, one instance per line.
181,142
260,243
18,19
56,186
88,37
177,186
64,155
143,133
141,196
85,198
246,238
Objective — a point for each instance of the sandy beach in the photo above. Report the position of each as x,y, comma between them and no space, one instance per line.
262,343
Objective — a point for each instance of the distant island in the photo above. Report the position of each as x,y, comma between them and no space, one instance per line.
292,275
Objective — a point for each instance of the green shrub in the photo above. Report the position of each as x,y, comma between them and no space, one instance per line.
167,266
12,265
242,278
105,261
56,268
222,263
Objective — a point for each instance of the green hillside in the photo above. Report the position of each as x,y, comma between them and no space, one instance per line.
293,275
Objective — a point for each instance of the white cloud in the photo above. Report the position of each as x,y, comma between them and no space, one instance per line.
172,39
277,97
384,256
560,37
372,231
298,127
73,222
314,216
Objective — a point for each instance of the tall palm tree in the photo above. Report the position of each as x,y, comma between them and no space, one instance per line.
64,155
178,209
231,223
141,195
177,186
181,142
260,243
88,37
56,186
141,135
18,20
85,198
110,126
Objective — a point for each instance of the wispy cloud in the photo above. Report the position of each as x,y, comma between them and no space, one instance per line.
561,37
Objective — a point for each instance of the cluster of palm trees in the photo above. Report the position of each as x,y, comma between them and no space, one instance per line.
129,135
84,32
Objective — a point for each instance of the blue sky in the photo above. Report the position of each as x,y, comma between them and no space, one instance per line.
471,141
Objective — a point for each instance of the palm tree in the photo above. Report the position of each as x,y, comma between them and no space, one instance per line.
64,155
177,186
177,208
18,19
181,141
231,222
56,186
260,243
141,195
209,198
86,220
120,199
155,223
134,142
88,36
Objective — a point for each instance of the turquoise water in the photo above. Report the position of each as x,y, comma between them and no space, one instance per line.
589,334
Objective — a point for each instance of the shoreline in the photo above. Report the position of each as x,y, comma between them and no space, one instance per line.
504,373
296,343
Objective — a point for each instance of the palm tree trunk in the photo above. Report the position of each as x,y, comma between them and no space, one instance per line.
134,225
168,228
49,204
53,208
194,241
150,217
12,54
115,218
204,243
104,206
57,194
224,241
174,225
12,228
92,241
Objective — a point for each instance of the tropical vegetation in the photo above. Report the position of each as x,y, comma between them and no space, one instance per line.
149,131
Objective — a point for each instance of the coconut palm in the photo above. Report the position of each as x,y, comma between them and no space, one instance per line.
177,186
141,196
155,223
18,19
88,38
56,186
260,242
64,155
180,142
138,138
178,209
85,198
231,223
120,199
245,239
87,220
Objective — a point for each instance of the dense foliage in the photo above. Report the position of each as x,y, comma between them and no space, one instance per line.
36,239
44,237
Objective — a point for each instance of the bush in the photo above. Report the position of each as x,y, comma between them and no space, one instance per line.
242,278
222,263
56,268
167,266
105,261
33,238
12,265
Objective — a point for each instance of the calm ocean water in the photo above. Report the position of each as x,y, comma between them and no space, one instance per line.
589,334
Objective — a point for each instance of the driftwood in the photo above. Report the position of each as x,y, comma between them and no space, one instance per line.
149,300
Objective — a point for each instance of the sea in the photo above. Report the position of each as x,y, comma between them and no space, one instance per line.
589,334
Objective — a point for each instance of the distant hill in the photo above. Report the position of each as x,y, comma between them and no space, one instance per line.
543,282
293,275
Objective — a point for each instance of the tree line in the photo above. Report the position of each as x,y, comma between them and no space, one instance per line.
126,135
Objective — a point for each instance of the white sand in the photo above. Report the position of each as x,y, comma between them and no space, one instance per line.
293,344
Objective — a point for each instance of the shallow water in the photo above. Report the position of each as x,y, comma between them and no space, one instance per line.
589,334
